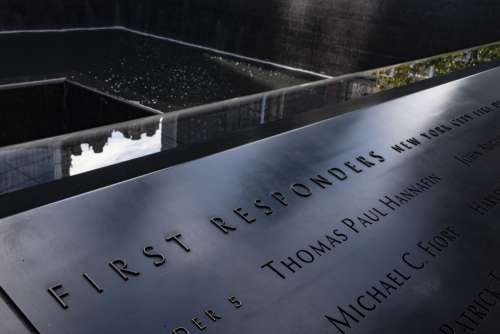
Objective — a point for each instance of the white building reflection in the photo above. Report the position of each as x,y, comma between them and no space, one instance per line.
118,148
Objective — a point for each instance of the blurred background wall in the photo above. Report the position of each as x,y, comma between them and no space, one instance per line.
44,14
332,36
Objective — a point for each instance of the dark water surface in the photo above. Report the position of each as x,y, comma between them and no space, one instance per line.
157,73
171,76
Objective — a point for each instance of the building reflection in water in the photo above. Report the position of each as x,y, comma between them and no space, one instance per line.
28,165
117,147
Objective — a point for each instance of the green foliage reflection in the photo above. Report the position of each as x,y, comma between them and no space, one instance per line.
402,75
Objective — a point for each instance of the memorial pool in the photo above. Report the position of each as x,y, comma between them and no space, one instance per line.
150,70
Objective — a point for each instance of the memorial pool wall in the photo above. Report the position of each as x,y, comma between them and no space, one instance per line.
334,36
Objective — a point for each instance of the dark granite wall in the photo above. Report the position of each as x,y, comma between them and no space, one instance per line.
43,14
334,36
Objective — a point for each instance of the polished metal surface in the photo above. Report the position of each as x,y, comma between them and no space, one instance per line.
382,220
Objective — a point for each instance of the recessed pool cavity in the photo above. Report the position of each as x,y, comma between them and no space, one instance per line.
43,109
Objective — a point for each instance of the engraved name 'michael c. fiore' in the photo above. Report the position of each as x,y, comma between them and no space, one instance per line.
345,317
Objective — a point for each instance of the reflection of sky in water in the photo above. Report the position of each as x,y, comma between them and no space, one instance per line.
117,149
